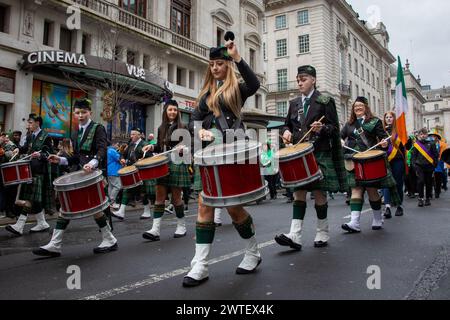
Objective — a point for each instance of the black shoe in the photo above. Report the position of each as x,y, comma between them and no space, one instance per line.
387,213
150,236
399,211
437,196
420,203
178,235
12,230
114,247
320,244
117,217
45,253
282,240
377,227
189,282
349,229
245,271
427,202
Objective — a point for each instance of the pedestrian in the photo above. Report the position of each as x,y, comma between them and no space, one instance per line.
114,184
269,170
439,172
304,113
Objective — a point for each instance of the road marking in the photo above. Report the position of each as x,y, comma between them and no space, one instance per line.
168,275
349,216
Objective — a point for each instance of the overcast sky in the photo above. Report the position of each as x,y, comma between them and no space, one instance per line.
419,31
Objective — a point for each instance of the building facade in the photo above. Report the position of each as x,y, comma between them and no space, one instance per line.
351,59
137,54
436,116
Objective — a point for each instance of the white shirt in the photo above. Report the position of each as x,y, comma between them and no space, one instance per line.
308,96
36,133
84,127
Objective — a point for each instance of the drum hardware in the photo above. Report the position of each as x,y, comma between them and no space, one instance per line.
129,177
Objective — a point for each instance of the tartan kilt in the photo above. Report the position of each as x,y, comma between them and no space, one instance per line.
330,181
33,192
178,176
197,179
386,183
149,187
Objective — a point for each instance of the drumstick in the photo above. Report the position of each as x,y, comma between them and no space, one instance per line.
301,140
352,149
381,142
285,139
13,157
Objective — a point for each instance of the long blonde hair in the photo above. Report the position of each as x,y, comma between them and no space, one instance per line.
228,93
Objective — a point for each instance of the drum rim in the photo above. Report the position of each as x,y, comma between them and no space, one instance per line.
14,163
224,204
16,182
137,184
287,157
80,184
380,155
128,173
198,156
151,165
317,176
85,213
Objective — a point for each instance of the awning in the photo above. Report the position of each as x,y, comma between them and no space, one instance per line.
275,124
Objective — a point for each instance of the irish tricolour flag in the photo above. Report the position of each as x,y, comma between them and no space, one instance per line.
401,104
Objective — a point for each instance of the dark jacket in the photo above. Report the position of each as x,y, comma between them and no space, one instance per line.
247,88
400,155
42,142
133,153
97,150
417,159
299,124
165,143
373,133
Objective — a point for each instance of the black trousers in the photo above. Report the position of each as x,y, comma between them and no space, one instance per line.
411,181
272,182
438,178
424,179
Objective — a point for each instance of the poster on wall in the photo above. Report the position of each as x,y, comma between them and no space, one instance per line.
36,97
130,114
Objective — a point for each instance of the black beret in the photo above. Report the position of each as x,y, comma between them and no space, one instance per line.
83,104
362,99
35,117
137,129
310,70
229,35
219,53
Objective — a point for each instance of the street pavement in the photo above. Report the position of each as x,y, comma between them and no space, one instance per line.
411,253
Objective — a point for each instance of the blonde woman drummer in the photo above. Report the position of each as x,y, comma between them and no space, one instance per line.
304,114
363,131
177,179
219,107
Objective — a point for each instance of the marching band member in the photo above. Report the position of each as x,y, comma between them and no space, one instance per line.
362,131
133,154
219,107
177,179
32,196
304,113
90,145
397,160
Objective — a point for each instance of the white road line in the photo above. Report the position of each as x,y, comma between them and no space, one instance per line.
349,216
157,278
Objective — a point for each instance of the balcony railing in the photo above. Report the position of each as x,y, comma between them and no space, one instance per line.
283,86
344,90
147,27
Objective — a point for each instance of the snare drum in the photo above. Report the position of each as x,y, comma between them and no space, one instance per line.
153,168
129,177
231,174
81,194
370,167
16,172
298,166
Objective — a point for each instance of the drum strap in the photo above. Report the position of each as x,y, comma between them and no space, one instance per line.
361,133
224,125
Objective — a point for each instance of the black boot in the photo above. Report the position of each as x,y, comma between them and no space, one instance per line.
399,211
387,213
420,204
427,202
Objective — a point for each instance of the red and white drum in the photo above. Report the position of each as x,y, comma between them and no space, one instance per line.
129,177
370,167
231,174
298,166
153,168
16,172
81,194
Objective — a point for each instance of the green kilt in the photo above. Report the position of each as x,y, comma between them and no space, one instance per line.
178,176
386,183
197,179
150,187
34,191
330,181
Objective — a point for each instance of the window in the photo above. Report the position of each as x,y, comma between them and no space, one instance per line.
302,17
220,35
146,62
170,70
371,60
373,80
367,55
357,90
349,62
180,17
339,26
280,22
281,48
355,44
131,57
257,101
375,106
362,71
368,75
86,44
282,108
436,120
118,53
47,32
378,83
303,43
138,7
282,79
4,18
65,39
252,59
356,67
349,40
350,87
192,80
361,50
436,107
181,76
264,51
